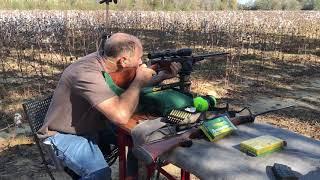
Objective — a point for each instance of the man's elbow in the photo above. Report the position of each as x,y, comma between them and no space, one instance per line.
122,118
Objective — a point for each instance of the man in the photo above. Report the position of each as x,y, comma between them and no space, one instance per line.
73,124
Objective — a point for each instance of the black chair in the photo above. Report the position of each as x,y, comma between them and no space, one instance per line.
35,111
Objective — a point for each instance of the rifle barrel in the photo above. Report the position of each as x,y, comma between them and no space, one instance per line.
203,56
211,54
272,110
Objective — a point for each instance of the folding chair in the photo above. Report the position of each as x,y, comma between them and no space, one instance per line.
35,111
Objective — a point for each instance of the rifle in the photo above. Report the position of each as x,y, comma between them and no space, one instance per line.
183,56
108,1
162,87
161,61
149,152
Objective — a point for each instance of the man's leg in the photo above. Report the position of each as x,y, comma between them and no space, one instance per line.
82,155
107,137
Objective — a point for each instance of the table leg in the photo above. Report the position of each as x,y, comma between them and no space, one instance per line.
122,156
150,171
185,175
166,174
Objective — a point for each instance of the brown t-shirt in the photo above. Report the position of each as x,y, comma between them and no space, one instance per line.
80,89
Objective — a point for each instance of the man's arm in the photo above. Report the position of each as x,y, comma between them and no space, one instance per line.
119,109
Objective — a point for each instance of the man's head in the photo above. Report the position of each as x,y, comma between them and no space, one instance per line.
123,49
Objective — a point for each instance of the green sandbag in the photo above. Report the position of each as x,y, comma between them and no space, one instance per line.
162,102
158,103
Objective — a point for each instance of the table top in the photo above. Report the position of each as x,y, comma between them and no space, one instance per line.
224,160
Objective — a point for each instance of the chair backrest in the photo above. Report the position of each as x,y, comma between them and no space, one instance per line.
36,112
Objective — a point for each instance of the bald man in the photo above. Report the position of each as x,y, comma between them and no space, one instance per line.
83,103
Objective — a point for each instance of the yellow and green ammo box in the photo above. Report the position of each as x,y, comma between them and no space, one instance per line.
262,145
217,127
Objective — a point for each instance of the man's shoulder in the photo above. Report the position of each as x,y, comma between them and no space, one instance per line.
88,62
93,55
88,59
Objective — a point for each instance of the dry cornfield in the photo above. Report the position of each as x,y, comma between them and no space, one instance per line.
43,42
272,54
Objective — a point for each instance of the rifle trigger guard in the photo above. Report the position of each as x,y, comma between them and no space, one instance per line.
186,143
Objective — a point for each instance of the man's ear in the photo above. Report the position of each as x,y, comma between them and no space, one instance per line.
123,61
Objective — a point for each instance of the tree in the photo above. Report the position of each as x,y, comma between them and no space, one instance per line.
154,4
224,4
316,5
308,5
267,4
233,4
290,5
216,5
206,5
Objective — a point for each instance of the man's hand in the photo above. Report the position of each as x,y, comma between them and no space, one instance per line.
143,75
175,67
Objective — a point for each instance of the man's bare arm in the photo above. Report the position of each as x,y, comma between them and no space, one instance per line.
119,109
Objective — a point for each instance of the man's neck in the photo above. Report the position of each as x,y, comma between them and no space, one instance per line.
110,65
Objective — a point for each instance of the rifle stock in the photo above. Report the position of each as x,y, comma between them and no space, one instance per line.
151,151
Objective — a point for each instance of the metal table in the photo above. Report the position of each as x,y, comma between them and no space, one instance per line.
224,160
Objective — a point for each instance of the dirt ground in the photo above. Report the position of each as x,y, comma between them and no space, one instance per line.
277,86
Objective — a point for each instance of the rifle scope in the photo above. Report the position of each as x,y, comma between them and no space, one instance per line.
170,52
107,1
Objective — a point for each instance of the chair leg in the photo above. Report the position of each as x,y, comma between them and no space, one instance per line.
44,159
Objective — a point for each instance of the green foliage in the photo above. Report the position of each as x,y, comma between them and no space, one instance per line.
233,4
310,4
224,4
316,4
283,5
267,4
307,4
123,5
155,4
216,4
